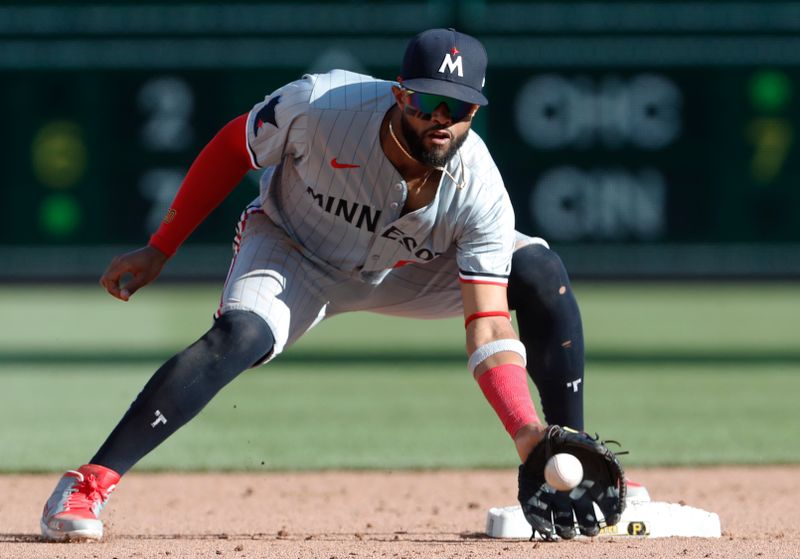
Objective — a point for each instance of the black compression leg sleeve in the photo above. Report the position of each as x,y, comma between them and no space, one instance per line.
551,330
184,385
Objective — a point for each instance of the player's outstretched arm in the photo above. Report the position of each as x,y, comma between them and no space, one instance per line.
497,361
216,171
131,271
214,174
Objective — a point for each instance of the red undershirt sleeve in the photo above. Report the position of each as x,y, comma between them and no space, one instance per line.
218,169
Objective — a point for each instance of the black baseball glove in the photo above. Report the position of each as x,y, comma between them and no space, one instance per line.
550,512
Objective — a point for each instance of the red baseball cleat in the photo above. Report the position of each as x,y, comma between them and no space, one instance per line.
71,511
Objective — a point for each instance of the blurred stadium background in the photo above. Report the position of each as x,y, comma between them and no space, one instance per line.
653,144
642,139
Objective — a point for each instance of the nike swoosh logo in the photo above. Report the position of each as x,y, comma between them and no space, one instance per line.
336,165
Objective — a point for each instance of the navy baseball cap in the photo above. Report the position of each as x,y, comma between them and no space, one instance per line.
445,62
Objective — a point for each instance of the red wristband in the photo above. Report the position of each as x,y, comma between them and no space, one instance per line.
485,314
506,389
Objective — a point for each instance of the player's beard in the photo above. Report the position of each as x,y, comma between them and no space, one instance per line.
435,157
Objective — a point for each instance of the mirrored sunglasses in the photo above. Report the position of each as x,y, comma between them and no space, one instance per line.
425,104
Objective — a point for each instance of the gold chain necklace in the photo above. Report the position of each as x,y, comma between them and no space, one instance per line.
424,181
459,184
430,171
396,141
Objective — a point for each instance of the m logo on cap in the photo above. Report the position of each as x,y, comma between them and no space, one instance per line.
451,64
447,63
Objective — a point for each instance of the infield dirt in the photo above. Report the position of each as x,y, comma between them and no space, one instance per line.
428,514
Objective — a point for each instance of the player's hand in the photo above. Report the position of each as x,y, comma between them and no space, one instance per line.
550,512
131,271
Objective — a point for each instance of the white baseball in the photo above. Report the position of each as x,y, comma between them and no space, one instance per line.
563,472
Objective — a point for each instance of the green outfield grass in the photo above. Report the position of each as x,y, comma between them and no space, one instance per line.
680,373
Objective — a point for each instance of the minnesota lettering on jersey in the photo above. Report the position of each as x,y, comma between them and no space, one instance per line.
409,243
342,208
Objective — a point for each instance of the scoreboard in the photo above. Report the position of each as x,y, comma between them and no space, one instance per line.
656,139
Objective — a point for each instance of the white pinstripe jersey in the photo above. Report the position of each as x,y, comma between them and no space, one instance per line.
330,186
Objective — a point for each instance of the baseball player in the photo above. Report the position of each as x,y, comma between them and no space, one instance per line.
375,196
